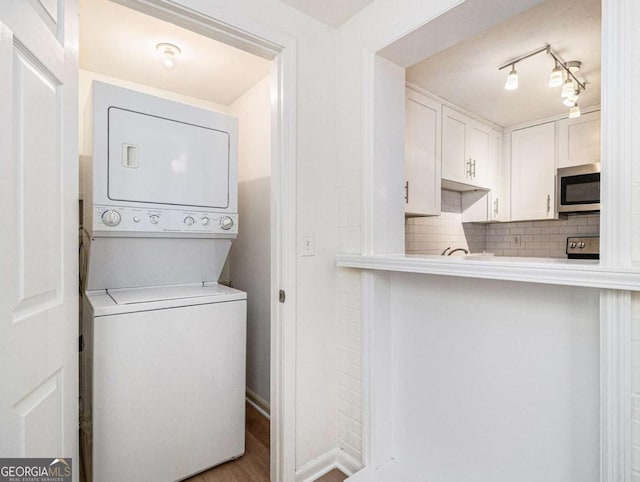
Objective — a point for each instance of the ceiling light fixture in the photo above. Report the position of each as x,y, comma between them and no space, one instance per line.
574,112
556,76
571,99
169,53
571,87
512,79
567,88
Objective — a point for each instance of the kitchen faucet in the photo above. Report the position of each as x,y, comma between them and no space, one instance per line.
454,250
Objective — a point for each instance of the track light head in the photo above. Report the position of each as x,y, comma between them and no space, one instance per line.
567,88
555,78
512,79
574,112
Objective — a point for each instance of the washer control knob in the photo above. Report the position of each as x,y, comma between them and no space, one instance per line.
154,219
136,219
205,220
581,245
189,220
226,223
111,218
573,244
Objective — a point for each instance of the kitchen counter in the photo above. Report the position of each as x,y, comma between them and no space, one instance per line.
556,271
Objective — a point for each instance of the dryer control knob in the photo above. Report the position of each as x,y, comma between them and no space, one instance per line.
226,223
111,218
204,221
154,219
189,220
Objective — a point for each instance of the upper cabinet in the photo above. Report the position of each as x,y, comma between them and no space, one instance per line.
481,205
533,172
466,150
422,155
579,140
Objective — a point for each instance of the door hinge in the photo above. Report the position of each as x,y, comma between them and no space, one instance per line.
282,296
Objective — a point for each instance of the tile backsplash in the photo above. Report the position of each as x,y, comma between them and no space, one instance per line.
431,235
545,239
541,239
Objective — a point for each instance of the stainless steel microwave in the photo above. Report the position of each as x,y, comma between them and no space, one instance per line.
578,189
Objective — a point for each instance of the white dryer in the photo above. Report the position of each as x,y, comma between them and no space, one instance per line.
163,367
166,368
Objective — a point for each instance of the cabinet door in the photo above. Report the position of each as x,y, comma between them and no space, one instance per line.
533,173
579,140
422,155
480,172
454,140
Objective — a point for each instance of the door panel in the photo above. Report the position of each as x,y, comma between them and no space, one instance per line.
36,187
454,156
38,244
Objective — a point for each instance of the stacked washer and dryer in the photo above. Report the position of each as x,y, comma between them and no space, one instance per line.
163,361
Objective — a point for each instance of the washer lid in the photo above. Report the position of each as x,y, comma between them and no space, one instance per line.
127,296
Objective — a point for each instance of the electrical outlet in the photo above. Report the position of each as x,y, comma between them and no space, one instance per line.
517,242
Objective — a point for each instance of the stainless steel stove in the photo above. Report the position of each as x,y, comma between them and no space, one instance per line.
583,247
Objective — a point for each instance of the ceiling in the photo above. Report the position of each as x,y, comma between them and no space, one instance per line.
332,12
120,42
467,75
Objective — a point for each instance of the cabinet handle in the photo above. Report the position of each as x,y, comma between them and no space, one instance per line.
548,203
495,207
474,169
468,169
406,192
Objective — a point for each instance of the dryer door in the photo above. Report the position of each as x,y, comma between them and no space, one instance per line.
162,161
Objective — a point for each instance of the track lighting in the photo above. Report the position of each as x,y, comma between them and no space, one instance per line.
169,54
574,112
571,99
571,85
512,79
555,78
567,88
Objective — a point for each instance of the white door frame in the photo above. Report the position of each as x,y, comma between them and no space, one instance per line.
258,39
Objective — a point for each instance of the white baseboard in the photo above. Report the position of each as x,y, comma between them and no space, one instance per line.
334,459
257,402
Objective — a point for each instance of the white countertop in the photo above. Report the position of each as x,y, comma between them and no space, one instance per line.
569,272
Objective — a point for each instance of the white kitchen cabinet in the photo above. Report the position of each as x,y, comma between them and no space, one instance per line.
483,206
579,140
466,150
533,172
422,155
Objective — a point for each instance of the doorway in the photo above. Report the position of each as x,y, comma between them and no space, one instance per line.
247,76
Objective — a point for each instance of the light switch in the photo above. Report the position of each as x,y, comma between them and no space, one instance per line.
307,247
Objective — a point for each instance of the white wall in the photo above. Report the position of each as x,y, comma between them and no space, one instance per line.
250,260
316,211
486,389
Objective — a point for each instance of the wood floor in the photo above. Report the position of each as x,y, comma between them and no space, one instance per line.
253,466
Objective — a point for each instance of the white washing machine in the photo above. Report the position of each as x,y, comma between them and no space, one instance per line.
166,368
163,366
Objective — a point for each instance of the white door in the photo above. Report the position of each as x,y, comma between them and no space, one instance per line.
39,218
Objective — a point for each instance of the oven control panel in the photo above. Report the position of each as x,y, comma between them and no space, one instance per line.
583,247
126,220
